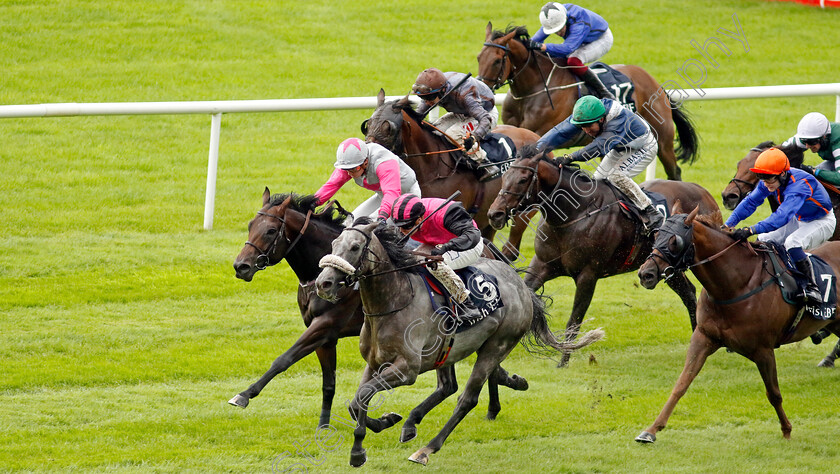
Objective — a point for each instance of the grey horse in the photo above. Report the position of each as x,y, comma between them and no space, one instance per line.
404,336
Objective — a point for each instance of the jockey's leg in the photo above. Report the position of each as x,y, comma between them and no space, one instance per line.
369,208
613,167
809,235
586,54
445,273
458,126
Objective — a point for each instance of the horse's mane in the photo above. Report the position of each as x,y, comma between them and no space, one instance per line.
390,238
333,216
795,155
521,32
707,220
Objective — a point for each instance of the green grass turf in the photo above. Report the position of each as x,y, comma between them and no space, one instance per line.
124,331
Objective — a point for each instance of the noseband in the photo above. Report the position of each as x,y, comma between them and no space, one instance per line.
264,258
681,258
739,182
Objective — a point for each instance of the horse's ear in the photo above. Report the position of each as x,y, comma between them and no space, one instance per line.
677,207
380,98
266,196
506,38
402,103
691,215
371,227
489,32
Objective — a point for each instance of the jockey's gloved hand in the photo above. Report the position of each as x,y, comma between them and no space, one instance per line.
439,250
535,45
742,233
469,142
565,160
808,169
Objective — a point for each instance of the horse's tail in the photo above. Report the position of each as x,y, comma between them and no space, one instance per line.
542,341
688,140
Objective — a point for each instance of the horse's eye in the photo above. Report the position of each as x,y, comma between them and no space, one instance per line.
522,180
497,62
271,231
355,247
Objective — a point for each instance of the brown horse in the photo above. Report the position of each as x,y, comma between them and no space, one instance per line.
437,162
572,239
288,228
739,308
543,93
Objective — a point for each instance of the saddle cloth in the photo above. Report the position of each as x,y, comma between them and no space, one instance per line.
483,287
500,150
619,84
792,282
660,203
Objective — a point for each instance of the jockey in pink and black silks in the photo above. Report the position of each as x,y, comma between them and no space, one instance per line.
372,167
451,233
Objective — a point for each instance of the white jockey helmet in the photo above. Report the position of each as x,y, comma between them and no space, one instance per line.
351,153
552,17
813,125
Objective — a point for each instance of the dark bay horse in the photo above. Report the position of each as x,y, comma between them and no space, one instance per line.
435,160
745,181
737,309
404,335
584,233
288,228
543,93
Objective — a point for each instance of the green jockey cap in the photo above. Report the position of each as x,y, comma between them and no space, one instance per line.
588,109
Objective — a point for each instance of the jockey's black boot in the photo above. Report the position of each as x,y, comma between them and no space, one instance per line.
468,314
486,173
818,336
596,86
652,219
812,294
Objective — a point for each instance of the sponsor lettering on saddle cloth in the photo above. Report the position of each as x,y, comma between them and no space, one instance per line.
792,283
483,287
500,151
619,84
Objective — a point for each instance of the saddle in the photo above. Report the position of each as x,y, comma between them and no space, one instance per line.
632,211
500,151
484,293
792,282
620,85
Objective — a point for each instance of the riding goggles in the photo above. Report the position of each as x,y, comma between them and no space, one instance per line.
767,177
810,141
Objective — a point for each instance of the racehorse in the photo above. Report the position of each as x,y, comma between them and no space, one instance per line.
738,308
435,159
405,334
543,93
585,233
288,228
745,181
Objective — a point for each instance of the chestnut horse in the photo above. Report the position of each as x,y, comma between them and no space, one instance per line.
543,93
435,160
584,233
737,309
287,228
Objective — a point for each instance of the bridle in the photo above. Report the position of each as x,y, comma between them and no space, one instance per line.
681,258
264,258
524,197
500,81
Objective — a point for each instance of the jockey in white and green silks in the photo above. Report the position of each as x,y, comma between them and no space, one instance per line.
822,137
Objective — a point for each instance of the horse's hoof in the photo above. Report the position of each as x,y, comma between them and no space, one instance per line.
408,433
519,383
391,419
826,363
358,459
421,456
646,437
492,415
239,401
